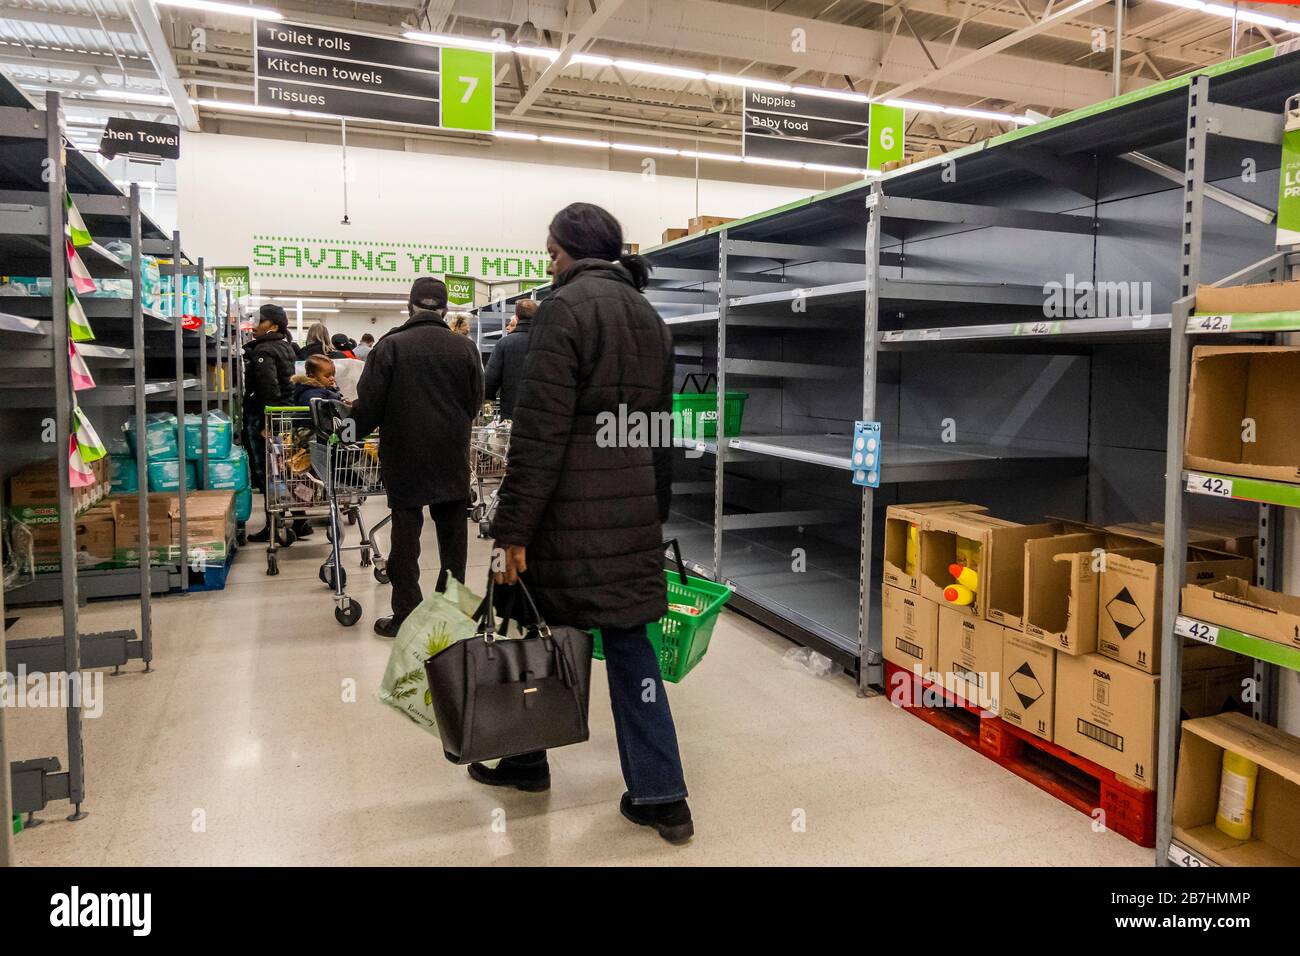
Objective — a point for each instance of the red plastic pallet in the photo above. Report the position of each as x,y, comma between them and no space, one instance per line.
1129,811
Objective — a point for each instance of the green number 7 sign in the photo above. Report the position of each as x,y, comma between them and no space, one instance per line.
467,89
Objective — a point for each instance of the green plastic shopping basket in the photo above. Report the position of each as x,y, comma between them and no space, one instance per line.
680,638
695,414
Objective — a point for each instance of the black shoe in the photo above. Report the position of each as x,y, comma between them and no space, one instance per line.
672,820
303,529
388,626
533,777
260,537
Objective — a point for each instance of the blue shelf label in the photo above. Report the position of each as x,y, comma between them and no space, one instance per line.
866,454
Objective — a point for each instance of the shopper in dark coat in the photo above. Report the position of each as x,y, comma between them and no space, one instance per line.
268,368
583,501
422,386
506,366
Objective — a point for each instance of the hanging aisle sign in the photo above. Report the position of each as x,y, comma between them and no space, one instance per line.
886,135
363,76
1288,203
233,279
146,142
460,290
801,128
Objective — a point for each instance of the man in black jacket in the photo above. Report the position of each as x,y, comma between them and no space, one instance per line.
268,367
507,363
584,499
422,387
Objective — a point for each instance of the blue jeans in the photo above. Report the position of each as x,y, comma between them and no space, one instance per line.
647,739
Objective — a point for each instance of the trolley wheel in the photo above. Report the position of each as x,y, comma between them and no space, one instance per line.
478,512
241,536
349,615
272,566
286,537
485,529
352,517
327,575
381,574
365,558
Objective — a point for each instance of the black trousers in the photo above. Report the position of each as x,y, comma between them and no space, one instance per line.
404,560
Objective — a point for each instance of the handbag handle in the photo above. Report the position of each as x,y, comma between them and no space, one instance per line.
694,379
485,614
677,556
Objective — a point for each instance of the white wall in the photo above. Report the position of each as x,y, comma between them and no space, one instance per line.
279,203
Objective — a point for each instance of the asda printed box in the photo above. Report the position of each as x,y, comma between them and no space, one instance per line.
909,629
945,537
1106,713
1028,684
969,661
901,564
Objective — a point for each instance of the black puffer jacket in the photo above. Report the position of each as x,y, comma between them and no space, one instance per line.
423,387
268,369
591,516
506,366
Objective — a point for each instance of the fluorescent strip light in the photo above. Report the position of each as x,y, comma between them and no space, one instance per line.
546,53
513,134
961,111
398,303
328,311
571,141
1245,16
132,96
833,94
245,107
443,39
763,161
634,148
232,9
292,298
716,157
828,168
748,81
591,59
660,68
126,184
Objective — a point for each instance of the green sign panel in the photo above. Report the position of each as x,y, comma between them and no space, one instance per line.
460,290
528,286
233,279
1288,203
467,93
886,131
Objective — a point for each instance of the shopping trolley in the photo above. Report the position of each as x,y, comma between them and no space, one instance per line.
488,447
349,470
293,492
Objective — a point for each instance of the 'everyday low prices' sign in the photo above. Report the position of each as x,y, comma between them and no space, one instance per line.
1288,203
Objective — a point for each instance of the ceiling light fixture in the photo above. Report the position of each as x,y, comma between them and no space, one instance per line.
231,9
515,134
1245,16
134,96
442,39
919,107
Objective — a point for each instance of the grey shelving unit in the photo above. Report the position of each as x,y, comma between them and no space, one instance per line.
139,357
1215,127
920,297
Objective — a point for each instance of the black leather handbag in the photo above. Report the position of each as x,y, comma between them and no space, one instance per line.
500,698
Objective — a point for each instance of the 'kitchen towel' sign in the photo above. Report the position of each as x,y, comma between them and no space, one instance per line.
136,138
359,75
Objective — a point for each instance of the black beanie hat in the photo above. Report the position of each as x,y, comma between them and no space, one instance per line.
428,295
586,231
273,313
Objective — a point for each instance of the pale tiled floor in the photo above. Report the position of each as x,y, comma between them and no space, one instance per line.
243,720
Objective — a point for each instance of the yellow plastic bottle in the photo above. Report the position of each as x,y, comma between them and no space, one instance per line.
958,594
913,546
1236,796
967,553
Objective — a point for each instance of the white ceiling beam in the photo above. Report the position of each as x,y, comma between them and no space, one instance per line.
997,46
77,21
156,43
586,32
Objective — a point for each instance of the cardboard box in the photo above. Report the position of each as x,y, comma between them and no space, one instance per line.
1002,572
938,550
95,541
1028,698
1216,690
35,484
1243,607
700,224
1062,575
969,659
897,520
672,235
209,524
1275,830
1230,384
1130,598
909,629
126,516
1153,532
1261,297
1106,712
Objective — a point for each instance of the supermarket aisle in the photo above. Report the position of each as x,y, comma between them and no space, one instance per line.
241,749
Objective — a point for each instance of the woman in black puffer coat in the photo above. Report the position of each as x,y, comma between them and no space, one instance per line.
582,505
